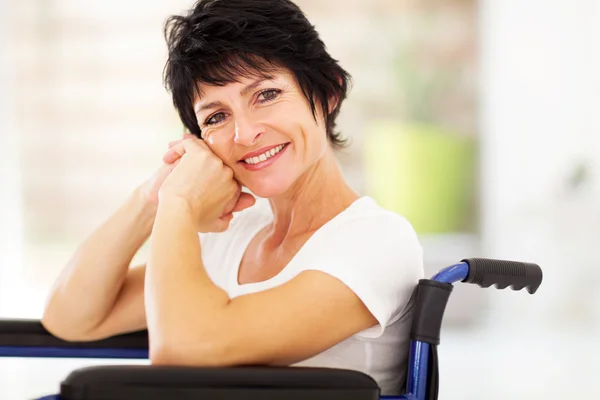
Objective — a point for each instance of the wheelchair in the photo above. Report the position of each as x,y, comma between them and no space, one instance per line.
28,338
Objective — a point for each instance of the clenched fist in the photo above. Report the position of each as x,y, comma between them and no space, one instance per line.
204,183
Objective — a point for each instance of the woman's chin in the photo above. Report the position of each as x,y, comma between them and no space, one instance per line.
267,189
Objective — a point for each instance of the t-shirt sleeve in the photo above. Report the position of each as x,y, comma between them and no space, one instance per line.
379,258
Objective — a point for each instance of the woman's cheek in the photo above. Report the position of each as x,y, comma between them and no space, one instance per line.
208,137
224,151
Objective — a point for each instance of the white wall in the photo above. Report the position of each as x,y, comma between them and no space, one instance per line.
540,120
540,93
11,234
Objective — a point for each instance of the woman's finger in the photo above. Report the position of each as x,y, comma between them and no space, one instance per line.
174,154
246,200
231,204
226,217
185,136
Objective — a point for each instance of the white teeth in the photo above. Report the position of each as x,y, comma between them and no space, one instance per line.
266,155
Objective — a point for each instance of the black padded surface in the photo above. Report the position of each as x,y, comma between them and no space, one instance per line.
31,333
185,383
428,314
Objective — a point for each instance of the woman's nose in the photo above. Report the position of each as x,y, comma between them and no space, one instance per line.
247,132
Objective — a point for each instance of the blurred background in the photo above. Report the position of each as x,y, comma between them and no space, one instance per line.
477,120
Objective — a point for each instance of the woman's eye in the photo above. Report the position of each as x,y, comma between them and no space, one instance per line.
268,95
214,119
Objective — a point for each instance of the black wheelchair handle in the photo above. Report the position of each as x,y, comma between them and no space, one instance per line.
486,272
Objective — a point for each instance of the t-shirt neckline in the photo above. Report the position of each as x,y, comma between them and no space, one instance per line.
242,245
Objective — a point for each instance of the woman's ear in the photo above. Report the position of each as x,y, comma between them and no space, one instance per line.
334,100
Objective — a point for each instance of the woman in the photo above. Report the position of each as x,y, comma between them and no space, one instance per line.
310,274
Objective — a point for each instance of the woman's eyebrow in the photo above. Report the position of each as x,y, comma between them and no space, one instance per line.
254,85
212,104
243,92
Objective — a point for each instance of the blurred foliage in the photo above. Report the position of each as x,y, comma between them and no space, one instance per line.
422,162
423,173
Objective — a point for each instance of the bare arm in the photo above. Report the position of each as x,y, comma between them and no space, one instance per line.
97,294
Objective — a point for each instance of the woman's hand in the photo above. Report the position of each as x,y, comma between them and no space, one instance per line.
204,184
150,187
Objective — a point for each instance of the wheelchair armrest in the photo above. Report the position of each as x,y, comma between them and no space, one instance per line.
28,338
141,382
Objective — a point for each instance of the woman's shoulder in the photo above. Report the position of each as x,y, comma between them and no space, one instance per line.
366,231
365,217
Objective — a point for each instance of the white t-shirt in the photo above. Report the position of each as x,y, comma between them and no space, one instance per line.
373,251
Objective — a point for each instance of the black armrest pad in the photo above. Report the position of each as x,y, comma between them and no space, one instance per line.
31,333
141,382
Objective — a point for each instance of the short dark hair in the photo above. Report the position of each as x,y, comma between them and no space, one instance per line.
218,41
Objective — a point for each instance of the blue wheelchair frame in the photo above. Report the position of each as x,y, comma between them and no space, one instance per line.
418,364
418,359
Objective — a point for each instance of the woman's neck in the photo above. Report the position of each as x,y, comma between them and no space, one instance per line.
315,198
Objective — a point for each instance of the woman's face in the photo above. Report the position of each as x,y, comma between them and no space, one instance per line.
263,129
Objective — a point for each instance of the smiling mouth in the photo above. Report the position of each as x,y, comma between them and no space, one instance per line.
265,156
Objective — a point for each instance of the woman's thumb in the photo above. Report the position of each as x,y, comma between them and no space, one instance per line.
246,200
